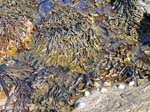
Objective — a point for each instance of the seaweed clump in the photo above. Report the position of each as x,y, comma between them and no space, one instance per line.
15,35
15,8
67,35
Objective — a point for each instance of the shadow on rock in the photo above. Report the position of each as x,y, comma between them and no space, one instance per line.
144,30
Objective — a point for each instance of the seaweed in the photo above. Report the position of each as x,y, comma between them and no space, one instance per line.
71,49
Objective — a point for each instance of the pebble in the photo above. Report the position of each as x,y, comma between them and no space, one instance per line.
98,89
104,90
81,104
107,83
97,84
129,59
121,86
86,93
147,52
114,75
132,83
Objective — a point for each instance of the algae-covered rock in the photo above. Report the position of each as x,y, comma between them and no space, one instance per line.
15,35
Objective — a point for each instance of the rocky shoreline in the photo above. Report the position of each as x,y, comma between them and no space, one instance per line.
115,99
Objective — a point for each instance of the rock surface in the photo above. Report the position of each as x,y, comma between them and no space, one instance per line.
146,5
131,99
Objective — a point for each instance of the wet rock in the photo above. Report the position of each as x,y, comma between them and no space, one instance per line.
145,4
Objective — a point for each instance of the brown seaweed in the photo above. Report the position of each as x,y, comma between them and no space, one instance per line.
70,50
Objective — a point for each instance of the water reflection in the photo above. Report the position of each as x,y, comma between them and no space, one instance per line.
44,6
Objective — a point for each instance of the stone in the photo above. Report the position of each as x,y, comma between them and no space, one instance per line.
86,93
131,83
104,90
81,104
107,83
97,84
121,86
